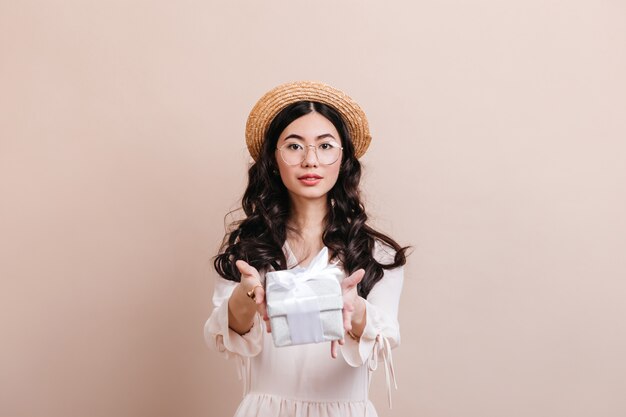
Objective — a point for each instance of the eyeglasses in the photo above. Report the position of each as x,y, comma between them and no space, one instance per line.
293,153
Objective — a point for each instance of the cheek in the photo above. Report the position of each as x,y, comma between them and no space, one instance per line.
285,173
281,167
334,174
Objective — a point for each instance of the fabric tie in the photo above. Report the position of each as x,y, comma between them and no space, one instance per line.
382,346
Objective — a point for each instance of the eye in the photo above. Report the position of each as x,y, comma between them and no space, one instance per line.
293,146
327,146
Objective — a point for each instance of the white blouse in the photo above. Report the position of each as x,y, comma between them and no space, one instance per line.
304,380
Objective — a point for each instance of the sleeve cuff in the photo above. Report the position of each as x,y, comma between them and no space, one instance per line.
223,339
357,352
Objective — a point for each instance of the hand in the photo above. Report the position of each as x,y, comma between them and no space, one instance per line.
350,299
251,280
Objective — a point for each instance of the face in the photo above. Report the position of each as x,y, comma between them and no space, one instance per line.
309,179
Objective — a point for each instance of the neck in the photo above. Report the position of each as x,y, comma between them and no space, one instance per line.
307,216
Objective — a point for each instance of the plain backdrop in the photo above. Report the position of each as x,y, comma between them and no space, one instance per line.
498,153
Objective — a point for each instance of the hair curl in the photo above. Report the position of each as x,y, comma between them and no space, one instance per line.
259,237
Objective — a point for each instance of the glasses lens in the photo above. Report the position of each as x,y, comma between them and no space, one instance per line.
292,154
328,153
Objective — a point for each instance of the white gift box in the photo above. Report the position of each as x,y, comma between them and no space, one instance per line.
305,304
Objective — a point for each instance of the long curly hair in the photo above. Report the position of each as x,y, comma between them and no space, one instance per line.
258,238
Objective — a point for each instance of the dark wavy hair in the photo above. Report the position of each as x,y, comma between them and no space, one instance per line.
258,238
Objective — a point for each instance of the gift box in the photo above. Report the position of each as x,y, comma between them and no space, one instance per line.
305,304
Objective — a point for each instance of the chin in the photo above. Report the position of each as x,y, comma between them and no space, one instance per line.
309,194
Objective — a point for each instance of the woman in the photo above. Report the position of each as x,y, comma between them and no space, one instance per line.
302,201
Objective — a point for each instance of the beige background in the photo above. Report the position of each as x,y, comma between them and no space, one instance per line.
498,153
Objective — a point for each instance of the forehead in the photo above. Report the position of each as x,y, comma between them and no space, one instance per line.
309,127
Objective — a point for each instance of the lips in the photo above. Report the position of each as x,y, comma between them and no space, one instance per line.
310,177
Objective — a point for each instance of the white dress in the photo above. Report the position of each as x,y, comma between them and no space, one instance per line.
303,380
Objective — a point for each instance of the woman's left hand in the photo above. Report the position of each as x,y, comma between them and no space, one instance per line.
352,304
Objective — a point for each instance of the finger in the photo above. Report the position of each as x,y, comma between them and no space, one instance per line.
348,304
242,266
347,323
262,309
261,305
246,269
353,280
347,320
341,341
333,349
259,295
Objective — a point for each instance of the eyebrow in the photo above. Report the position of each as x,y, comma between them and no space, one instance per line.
323,136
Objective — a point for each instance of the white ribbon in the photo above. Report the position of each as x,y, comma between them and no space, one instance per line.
300,301
383,347
243,372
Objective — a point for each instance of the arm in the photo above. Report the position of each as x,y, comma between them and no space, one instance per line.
234,327
380,330
375,318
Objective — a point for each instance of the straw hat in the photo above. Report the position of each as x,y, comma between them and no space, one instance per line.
282,96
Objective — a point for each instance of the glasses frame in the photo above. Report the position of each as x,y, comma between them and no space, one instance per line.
306,152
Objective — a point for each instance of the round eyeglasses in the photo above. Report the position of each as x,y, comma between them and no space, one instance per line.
293,153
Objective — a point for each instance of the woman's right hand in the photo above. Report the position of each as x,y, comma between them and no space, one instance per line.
251,281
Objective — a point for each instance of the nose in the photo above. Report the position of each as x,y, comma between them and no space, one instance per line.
310,157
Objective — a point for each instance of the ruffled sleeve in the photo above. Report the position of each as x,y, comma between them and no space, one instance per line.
382,331
222,338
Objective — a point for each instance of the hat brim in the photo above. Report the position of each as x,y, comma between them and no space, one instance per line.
275,100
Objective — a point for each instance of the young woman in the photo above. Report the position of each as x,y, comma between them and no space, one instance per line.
302,201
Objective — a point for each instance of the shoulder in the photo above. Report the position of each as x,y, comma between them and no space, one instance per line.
383,253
